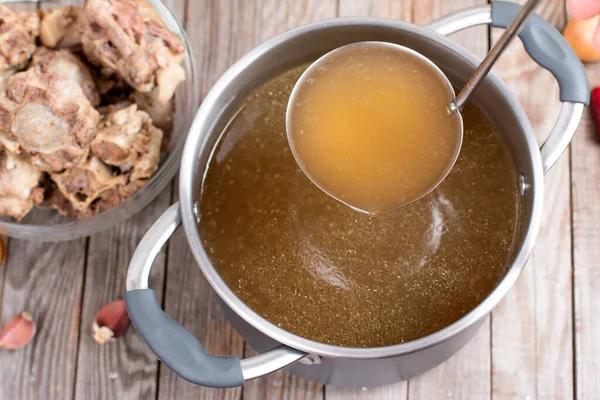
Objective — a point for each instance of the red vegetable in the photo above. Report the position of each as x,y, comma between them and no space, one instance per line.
595,107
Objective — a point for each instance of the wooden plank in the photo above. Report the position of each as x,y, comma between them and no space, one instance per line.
46,280
532,327
585,175
397,9
402,10
467,374
188,297
281,385
276,18
396,391
220,33
125,368
190,301
3,268
475,39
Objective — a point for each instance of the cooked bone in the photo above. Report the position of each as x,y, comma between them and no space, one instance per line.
18,32
162,115
66,65
84,184
126,38
20,187
126,138
51,120
61,27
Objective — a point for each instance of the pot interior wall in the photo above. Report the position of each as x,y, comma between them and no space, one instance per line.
296,48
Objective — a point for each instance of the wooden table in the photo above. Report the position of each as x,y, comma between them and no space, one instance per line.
541,342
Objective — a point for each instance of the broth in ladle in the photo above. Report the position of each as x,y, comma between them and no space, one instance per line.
370,124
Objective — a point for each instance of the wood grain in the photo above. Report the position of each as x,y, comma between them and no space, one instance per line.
402,10
396,391
46,280
6,239
124,368
532,327
272,18
527,355
190,301
4,269
467,374
222,32
396,9
281,385
188,297
585,175
475,39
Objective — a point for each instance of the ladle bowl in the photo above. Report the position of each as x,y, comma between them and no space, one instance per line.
393,199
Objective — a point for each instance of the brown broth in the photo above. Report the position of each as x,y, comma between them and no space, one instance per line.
316,268
370,124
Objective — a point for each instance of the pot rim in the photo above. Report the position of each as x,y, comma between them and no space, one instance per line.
197,140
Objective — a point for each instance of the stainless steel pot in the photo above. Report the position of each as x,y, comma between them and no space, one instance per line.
343,366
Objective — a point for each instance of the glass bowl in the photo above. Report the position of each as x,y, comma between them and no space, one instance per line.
45,224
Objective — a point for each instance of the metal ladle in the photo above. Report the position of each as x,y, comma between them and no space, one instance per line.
454,107
495,53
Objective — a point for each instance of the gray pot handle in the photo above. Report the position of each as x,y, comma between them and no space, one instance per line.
174,345
549,49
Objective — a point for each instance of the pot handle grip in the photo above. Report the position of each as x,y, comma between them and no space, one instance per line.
173,344
549,49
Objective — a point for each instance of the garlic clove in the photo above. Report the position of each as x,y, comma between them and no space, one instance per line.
111,322
18,332
579,33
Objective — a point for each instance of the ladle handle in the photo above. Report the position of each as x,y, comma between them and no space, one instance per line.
549,49
173,344
490,59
